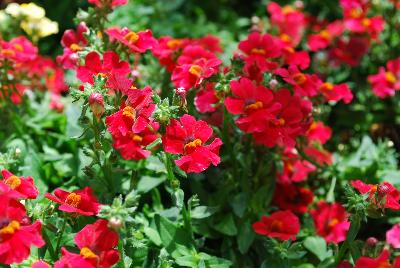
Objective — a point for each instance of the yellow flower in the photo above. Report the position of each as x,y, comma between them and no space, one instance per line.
28,11
40,28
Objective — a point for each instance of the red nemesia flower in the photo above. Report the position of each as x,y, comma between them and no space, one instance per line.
322,157
187,137
290,122
253,103
168,49
331,221
187,76
350,51
283,225
193,52
72,41
16,236
381,261
97,248
132,145
300,59
138,42
318,131
387,81
294,168
112,3
293,198
336,93
133,117
111,65
304,84
393,236
206,99
255,67
18,49
290,22
265,45
325,37
80,201
390,198
40,264
24,186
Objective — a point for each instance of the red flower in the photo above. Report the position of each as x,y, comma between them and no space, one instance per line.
319,155
294,168
168,49
293,198
253,103
331,221
290,22
206,99
97,248
18,49
111,65
137,42
387,81
350,51
191,75
24,186
72,41
16,236
336,92
261,45
113,3
80,201
187,137
291,121
318,131
283,225
325,37
380,261
303,84
390,196
255,67
40,264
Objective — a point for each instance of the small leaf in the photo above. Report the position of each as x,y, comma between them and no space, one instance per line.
317,245
245,237
202,212
226,226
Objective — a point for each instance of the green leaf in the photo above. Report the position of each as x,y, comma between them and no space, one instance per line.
179,196
152,235
202,212
245,237
147,183
317,245
226,226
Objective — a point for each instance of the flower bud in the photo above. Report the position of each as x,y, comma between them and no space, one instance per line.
115,223
273,83
383,190
96,103
299,4
371,242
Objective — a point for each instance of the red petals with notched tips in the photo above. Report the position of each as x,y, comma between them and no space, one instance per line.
21,187
81,202
188,137
283,225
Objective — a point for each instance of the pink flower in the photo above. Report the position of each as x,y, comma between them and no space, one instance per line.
393,236
138,42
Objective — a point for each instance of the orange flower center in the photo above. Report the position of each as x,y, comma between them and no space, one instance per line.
384,265
333,222
131,37
276,226
19,47
88,254
285,38
8,52
258,51
299,78
287,9
325,35
374,188
10,228
279,122
254,106
75,47
173,43
128,111
327,86
289,50
195,70
135,137
355,13
193,144
13,181
389,76
73,199
366,22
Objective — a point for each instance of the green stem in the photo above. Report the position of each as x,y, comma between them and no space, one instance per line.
61,233
355,223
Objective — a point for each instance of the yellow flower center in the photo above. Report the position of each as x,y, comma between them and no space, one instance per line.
8,52
195,70
325,35
128,111
254,106
136,137
19,47
258,51
131,37
389,76
88,254
10,228
299,78
13,181
285,38
287,9
173,43
73,199
193,144
75,47
366,22
333,222
327,86
355,13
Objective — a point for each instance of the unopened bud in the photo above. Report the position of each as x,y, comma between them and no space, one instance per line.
299,4
115,223
96,103
383,190
273,83
371,242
